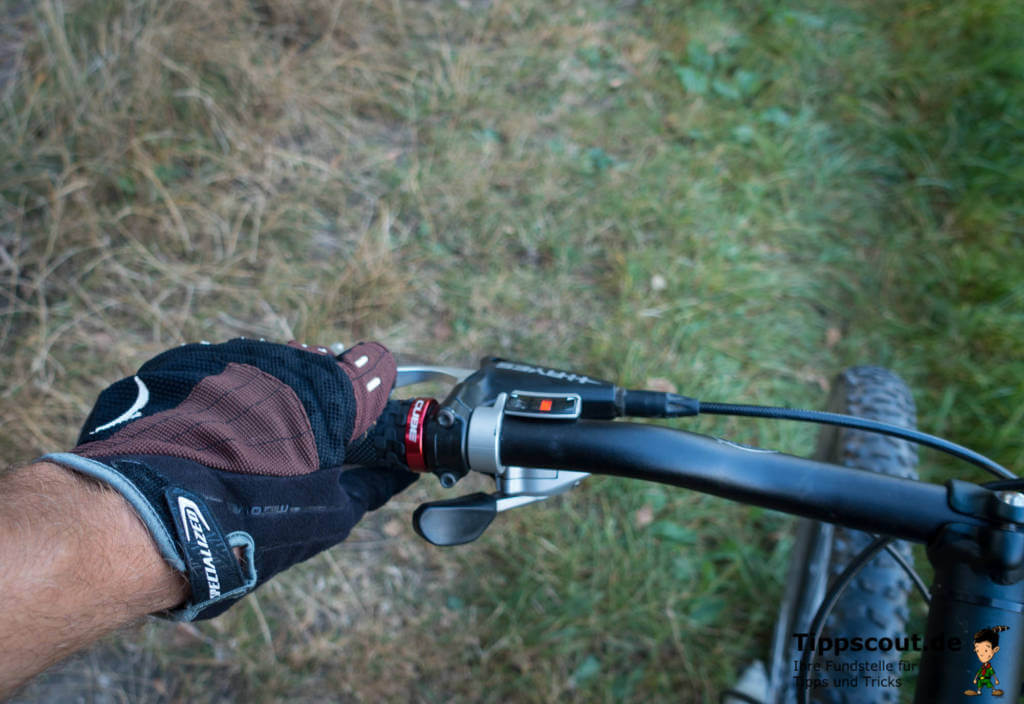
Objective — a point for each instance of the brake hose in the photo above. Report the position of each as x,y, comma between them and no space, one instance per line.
840,419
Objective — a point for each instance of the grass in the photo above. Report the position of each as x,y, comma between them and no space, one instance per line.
734,198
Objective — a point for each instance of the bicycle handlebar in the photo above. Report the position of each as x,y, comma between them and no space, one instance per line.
866,501
975,535
876,503
965,597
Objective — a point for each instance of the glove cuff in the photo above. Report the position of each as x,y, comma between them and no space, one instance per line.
185,531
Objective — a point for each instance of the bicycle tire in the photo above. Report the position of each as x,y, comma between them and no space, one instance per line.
875,602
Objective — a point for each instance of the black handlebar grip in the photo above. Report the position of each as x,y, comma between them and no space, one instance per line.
396,439
383,445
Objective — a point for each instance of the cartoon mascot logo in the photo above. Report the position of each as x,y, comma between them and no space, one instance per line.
986,645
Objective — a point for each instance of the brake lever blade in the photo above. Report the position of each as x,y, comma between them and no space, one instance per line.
414,374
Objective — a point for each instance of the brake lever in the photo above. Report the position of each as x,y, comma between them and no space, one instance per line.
415,374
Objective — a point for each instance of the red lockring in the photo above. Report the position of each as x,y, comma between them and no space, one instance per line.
415,424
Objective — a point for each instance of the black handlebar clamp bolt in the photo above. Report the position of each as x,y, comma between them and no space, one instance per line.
445,418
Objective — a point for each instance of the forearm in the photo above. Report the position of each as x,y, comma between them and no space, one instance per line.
75,564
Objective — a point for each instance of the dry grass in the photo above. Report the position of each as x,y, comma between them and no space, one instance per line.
182,171
183,176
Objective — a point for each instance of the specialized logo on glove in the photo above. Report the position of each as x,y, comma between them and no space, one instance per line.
192,517
212,567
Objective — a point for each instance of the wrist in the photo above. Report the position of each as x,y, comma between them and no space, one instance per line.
199,539
75,564
111,549
135,565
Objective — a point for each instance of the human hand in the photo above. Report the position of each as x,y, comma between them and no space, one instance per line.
242,446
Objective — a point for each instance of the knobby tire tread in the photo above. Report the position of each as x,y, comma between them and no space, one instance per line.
875,603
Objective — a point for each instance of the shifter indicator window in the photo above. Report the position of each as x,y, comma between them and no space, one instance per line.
536,405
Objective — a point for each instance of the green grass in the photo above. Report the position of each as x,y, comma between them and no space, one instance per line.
737,198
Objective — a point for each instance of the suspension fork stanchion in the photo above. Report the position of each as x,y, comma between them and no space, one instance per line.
979,584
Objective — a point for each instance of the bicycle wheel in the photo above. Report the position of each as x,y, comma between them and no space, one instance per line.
875,602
